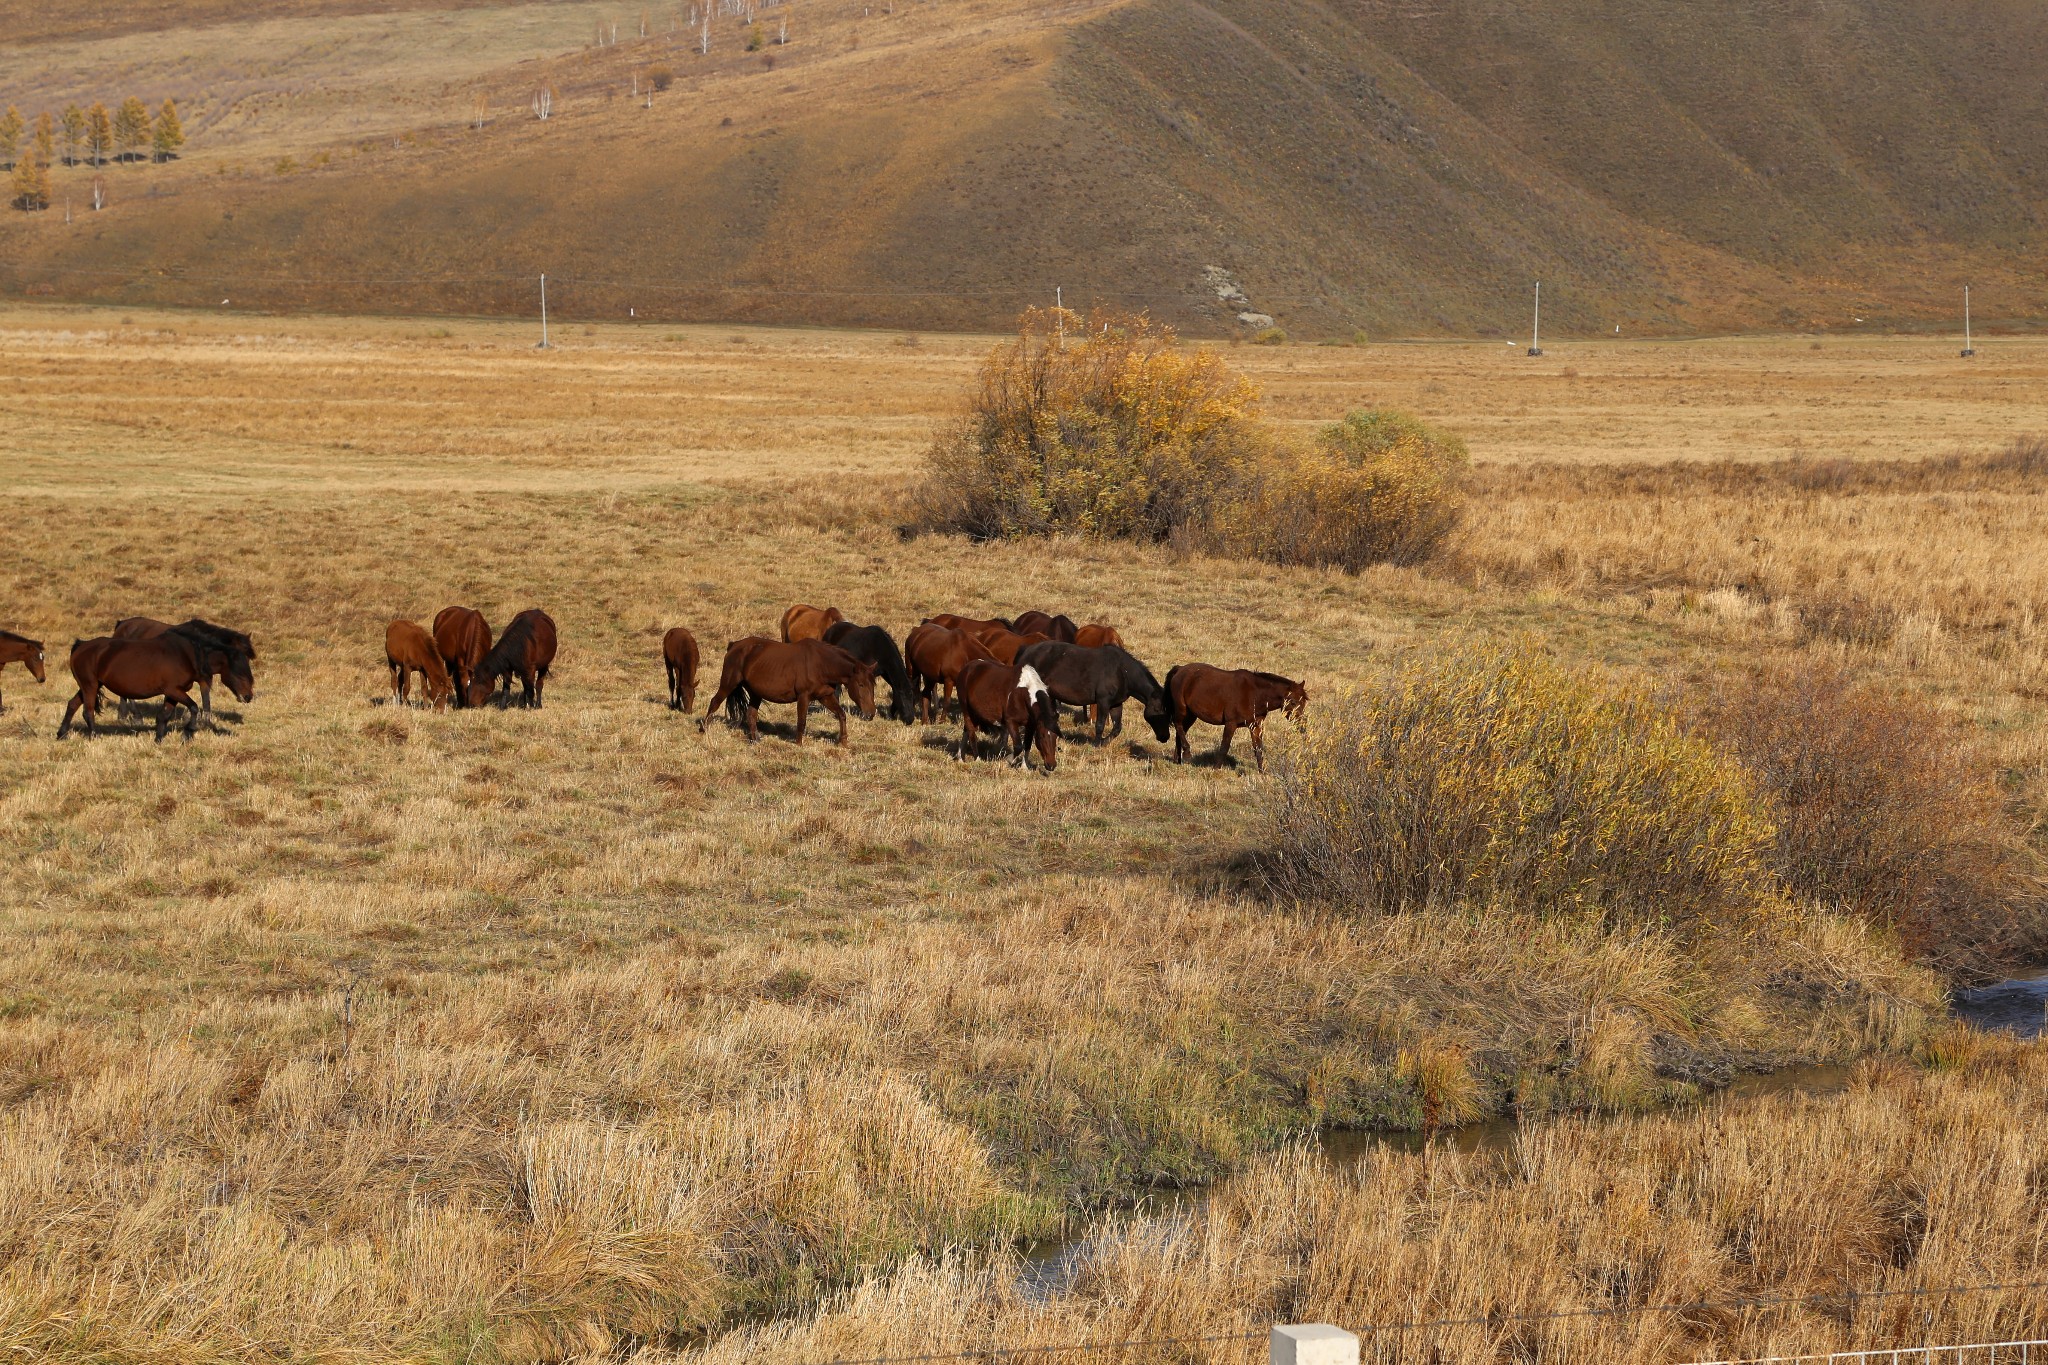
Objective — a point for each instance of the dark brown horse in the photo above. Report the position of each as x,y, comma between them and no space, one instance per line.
805,672
167,666
1060,628
936,654
1014,700
1097,635
526,651
1229,697
805,622
1100,680
979,629
408,650
20,649
679,657
148,628
461,637
1004,644
874,645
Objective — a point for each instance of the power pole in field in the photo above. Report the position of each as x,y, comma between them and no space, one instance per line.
1536,325
543,314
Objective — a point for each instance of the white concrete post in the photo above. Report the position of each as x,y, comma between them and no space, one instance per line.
1313,1343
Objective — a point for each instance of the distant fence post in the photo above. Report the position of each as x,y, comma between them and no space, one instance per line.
1313,1343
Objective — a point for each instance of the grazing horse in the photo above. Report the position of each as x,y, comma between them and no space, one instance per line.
1102,678
1004,644
408,650
804,672
462,637
980,630
1229,697
166,667
804,622
1097,635
526,650
1058,628
1014,700
20,649
146,628
679,657
937,654
874,645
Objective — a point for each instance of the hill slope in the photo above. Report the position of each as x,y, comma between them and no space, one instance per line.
1396,166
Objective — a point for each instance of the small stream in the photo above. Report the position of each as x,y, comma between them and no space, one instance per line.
2017,1006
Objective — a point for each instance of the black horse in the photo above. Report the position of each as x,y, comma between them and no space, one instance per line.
1103,677
873,645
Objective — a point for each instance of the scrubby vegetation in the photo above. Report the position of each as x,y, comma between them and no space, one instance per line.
1107,428
1496,776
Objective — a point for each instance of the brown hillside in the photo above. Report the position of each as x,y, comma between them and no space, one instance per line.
1384,165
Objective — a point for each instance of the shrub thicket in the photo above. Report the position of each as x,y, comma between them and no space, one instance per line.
1107,428
1496,776
1376,488
1882,811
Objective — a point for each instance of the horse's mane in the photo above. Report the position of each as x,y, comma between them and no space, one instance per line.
1276,679
9,637
504,657
219,636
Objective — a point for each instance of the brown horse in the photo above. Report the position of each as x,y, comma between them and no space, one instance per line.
1097,635
1005,644
1229,697
1014,700
20,649
679,657
802,622
805,672
526,651
461,637
979,629
166,667
936,655
409,650
1060,628
148,628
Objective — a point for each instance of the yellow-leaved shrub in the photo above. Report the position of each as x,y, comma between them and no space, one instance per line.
1495,776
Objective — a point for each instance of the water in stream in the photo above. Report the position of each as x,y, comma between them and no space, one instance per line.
2016,1006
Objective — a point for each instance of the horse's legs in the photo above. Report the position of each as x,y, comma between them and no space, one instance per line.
675,691
1259,744
803,715
1180,739
77,700
837,708
206,694
536,683
970,743
1229,729
1017,749
1116,717
191,715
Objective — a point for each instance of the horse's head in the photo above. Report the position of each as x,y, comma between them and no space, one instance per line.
1159,715
1045,716
860,684
477,691
1296,701
34,660
903,699
236,674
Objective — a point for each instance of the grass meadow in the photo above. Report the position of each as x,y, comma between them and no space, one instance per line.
358,1033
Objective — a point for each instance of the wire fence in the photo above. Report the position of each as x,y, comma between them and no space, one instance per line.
1388,1340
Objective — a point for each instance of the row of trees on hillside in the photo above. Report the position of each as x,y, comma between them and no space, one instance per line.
94,135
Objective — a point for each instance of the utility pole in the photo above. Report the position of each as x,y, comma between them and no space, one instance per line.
543,314
1536,325
1059,312
1969,348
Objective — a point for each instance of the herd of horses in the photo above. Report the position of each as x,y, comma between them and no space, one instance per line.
1006,677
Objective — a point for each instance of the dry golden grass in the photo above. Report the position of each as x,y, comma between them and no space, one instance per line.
359,1033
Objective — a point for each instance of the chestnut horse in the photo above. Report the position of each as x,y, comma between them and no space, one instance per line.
166,667
805,672
526,650
679,657
1004,644
803,622
936,655
1011,699
1229,697
1098,635
1060,628
461,637
408,650
20,649
980,630
147,628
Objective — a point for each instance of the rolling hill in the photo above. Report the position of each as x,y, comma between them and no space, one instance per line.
1344,166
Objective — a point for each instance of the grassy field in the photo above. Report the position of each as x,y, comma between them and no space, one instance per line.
354,1032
